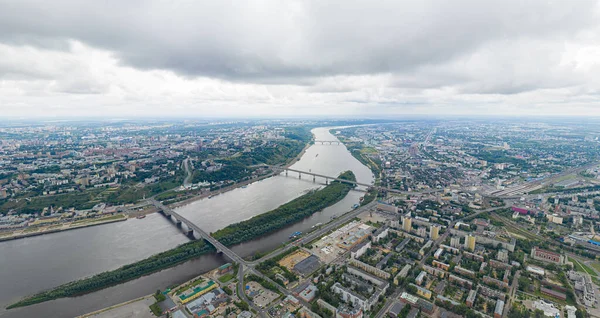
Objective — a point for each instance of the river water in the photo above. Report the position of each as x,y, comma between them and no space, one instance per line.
33,264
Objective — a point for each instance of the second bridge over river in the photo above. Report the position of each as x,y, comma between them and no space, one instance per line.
331,178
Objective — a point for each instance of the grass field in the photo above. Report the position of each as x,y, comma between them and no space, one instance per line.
596,266
184,287
581,267
368,150
96,220
227,277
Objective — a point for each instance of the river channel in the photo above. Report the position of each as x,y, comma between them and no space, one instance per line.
33,264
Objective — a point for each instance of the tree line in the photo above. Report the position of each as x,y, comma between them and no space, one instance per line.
123,274
255,227
286,214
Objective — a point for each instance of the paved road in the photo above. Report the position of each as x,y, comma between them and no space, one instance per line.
511,293
188,171
218,245
242,292
324,229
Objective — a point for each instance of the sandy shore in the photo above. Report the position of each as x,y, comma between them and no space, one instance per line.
137,308
64,227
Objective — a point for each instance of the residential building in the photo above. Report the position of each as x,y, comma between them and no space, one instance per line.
499,309
470,243
502,256
434,232
406,223
358,250
471,298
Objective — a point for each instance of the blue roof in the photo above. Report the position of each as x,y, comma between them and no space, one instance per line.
594,242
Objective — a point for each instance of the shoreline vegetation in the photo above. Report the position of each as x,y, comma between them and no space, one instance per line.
260,225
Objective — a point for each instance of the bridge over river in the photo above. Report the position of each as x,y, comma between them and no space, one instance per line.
327,178
169,213
244,267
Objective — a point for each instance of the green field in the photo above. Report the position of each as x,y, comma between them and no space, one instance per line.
96,220
227,277
596,266
368,150
581,267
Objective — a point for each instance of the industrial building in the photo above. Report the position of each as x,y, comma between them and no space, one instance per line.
547,256
308,265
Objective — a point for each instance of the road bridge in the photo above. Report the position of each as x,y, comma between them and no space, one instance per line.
330,178
328,142
168,212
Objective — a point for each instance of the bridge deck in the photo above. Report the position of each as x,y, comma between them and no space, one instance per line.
356,182
218,245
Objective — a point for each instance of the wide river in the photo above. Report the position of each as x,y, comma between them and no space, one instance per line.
33,264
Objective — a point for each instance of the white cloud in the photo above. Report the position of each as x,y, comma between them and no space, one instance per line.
295,58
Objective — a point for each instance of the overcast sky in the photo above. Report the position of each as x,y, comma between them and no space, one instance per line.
298,58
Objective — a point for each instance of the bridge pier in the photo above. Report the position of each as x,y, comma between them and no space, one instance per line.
178,223
314,178
299,175
286,172
190,234
326,181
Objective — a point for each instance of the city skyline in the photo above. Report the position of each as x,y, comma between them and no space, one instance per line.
299,59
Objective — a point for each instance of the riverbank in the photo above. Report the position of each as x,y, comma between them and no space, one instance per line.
118,244
241,183
135,308
240,232
63,227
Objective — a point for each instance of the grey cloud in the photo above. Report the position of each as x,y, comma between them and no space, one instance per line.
288,42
